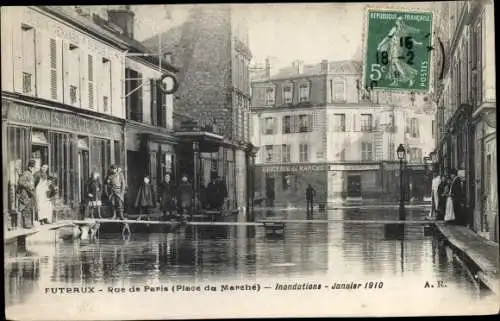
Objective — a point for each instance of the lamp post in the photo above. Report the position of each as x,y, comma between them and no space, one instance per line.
401,156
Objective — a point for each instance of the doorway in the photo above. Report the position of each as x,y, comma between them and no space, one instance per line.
40,154
83,172
354,186
136,168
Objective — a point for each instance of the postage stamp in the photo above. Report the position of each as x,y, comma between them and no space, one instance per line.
397,52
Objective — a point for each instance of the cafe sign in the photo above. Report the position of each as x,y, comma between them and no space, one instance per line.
295,168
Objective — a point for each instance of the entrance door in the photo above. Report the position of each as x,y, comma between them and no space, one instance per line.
354,186
83,172
270,192
40,154
136,168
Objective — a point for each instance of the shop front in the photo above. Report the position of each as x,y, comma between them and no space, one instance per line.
72,144
149,153
200,153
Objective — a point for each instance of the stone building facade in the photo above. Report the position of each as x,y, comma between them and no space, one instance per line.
315,125
464,93
212,52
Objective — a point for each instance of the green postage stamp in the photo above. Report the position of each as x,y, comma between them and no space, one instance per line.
398,50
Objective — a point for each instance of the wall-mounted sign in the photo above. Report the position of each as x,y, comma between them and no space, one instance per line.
295,168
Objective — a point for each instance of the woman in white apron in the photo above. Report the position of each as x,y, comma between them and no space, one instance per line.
43,191
450,215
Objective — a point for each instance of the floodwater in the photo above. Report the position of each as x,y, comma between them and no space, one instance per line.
414,274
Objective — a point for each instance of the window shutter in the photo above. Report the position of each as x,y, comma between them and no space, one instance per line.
139,97
262,125
163,109
295,124
154,103
310,122
128,88
91,93
53,68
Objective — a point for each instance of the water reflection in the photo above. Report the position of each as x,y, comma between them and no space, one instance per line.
338,250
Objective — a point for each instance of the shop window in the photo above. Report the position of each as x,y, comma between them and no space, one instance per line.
118,152
61,165
17,159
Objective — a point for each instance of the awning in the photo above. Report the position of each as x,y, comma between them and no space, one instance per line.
208,142
39,138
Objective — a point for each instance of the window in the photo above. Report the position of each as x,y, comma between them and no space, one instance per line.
53,69
270,96
304,93
392,151
415,155
412,127
73,92
73,74
339,91
303,152
339,122
105,87
285,153
305,123
28,57
27,86
133,90
91,84
269,123
366,122
287,94
268,153
366,151
61,163
287,124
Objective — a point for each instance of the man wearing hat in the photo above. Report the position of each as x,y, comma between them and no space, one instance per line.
26,195
115,186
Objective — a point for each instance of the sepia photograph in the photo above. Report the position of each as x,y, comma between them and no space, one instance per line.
213,161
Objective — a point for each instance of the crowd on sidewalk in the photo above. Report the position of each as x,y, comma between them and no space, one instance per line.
448,199
36,193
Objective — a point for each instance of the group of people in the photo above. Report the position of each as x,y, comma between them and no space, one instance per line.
36,191
448,198
173,200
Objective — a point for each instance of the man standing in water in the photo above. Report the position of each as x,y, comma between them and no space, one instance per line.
310,193
26,195
115,185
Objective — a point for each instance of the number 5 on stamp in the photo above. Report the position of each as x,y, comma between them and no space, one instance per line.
398,50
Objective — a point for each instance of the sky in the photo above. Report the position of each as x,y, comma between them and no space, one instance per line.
284,32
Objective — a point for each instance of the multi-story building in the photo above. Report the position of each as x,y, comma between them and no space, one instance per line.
67,99
315,124
148,105
61,99
211,49
464,91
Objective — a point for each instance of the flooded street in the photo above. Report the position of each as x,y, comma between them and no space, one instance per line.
314,252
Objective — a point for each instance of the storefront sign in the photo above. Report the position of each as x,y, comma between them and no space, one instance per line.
353,167
59,120
295,168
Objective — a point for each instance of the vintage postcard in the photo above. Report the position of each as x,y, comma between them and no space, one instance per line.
249,160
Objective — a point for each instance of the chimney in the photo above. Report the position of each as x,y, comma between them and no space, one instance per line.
123,18
268,68
298,66
324,66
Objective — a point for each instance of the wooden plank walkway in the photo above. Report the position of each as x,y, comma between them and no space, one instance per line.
484,253
409,222
21,232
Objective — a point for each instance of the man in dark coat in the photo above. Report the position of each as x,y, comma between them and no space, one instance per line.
185,195
166,195
26,195
310,193
115,189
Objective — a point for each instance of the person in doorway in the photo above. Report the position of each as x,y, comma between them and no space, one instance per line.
26,195
145,200
166,195
94,195
310,194
453,200
44,206
185,195
212,193
115,189
436,182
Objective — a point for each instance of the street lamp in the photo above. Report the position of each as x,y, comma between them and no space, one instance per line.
401,156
